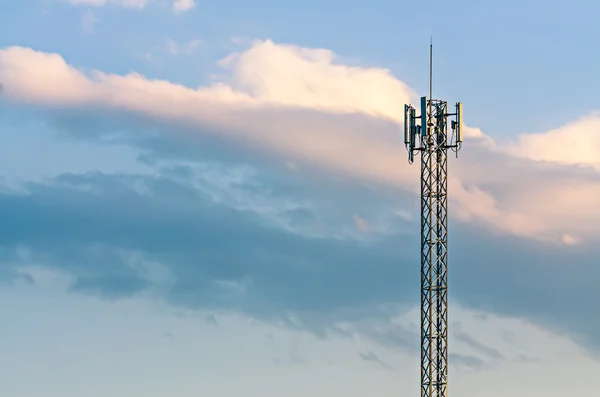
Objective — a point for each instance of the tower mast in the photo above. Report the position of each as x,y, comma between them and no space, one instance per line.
430,138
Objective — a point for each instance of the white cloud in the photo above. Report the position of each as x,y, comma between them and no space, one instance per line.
188,48
99,3
180,6
301,104
289,75
577,143
89,21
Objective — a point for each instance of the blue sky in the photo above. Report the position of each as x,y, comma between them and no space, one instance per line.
500,57
220,191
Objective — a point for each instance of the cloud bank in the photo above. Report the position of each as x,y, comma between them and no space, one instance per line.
301,115
178,6
302,105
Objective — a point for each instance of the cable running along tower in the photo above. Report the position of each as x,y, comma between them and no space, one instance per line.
428,134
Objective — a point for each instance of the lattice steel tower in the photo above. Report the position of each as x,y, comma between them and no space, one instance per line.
431,139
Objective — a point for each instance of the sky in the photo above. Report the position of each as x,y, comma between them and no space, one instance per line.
213,197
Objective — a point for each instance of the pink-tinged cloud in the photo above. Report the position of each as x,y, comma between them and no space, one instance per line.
577,143
99,3
180,6
305,106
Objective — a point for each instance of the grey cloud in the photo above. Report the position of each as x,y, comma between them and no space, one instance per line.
466,361
165,144
110,287
374,358
527,359
277,271
476,345
225,258
10,275
81,222
552,286
211,319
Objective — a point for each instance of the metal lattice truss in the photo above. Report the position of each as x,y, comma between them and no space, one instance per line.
434,253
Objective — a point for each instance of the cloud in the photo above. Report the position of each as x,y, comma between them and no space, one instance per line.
176,236
98,3
195,251
211,319
156,362
173,48
89,21
292,358
188,48
281,105
241,115
180,6
361,224
245,261
309,79
374,358
576,143
303,106
467,361
477,346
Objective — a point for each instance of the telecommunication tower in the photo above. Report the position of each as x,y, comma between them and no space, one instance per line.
428,134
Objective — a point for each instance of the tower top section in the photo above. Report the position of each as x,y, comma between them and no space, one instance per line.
429,130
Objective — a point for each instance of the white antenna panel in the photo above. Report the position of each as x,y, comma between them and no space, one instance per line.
407,122
459,122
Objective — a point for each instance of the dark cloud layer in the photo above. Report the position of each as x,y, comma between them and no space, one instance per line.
229,259
550,285
201,242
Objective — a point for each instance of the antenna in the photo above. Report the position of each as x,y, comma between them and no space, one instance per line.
433,145
430,69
